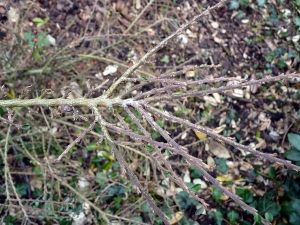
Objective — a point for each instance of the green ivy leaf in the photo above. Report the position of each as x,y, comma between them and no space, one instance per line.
195,173
25,127
185,201
21,188
269,217
149,147
244,3
294,218
281,64
292,189
42,41
38,20
106,165
245,223
267,204
116,190
292,154
196,187
28,36
232,216
294,139
165,59
261,2
297,21
100,178
245,194
221,165
92,146
217,193
217,216
234,5
199,211
272,172
257,218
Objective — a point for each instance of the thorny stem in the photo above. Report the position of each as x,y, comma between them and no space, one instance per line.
221,89
125,167
144,108
173,176
209,132
78,139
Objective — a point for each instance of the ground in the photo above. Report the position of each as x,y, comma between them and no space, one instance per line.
55,44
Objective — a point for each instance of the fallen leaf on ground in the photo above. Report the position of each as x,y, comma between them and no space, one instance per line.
218,150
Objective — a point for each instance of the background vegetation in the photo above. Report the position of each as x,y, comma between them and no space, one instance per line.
63,50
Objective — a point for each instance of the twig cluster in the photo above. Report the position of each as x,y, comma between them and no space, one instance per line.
168,88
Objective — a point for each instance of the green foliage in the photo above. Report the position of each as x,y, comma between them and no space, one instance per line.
267,204
245,194
165,59
221,165
28,37
261,3
217,216
195,173
292,189
200,210
185,201
297,21
92,146
293,153
21,188
257,218
234,5
272,172
10,220
291,209
232,216
39,41
291,206
217,194
269,216
40,22
294,139
196,187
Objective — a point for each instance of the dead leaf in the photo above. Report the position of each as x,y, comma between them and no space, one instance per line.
211,161
13,15
219,129
190,73
224,178
210,100
217,96
175,218
219,150
200,135
270,44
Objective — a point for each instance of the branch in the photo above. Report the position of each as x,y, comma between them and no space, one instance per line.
218,137
159,46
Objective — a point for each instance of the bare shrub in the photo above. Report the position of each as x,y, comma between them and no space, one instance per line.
110,108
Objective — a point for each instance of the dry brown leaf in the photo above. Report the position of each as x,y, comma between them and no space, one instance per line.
211,161
245,166
175,218
200,135
270,44
219,129
225,178
218,150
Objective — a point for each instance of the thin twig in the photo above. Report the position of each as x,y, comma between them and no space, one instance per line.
159,46
91,127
